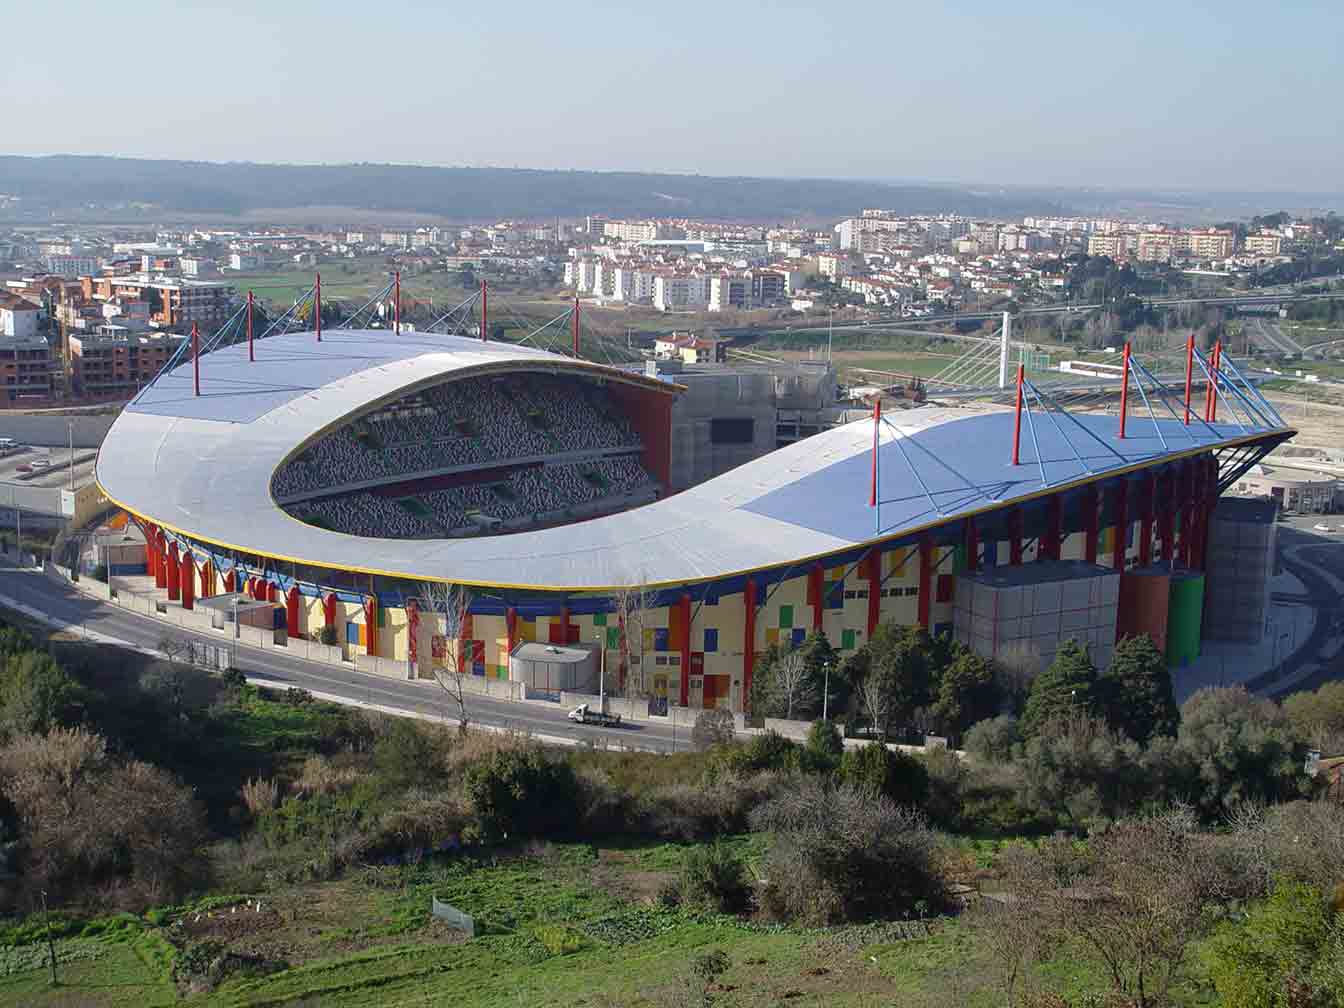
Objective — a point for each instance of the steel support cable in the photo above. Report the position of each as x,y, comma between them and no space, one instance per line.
1218,394
1171,409
1060,431
291,310
387,289
1045,397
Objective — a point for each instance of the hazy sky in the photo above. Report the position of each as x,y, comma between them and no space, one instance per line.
1181,93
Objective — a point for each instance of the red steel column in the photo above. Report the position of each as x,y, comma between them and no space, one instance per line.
748,640
1124,390
371,621
1050,547
1166,519
250,354
684,604
272,592
329,614
148,530
874,562
413,634
196,358
160,560
174,573
815,581
1119,523
207,579
1147,493
511,627
292,611
187,580
972,546
396,303
485,305
230,581
1090,524
317,306
1015,535
925,580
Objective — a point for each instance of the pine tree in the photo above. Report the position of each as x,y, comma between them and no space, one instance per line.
1135,694
1063,690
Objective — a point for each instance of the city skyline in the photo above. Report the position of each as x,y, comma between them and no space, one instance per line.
1147,97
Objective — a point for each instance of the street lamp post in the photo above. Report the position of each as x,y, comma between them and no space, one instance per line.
826,691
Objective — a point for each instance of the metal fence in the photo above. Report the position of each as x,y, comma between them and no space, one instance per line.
452,915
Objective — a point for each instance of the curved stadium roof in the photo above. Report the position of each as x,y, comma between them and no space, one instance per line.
203,467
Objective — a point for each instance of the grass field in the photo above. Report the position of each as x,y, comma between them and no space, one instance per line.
566,925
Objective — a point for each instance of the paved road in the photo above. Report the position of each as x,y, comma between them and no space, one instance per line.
1312,552
51,595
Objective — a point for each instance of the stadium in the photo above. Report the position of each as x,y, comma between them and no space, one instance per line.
341,478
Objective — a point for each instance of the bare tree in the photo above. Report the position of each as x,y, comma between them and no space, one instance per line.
875,698
633,604
448,607
794,680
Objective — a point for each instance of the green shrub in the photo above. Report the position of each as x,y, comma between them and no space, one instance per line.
715,878
841,854
767,751
521,792
992,740
721,804
406,756
876,770
823,748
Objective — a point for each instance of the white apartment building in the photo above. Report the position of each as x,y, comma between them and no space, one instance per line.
729,290
191,267
18,318
1112,245
72,265
580,274
1264,244
833,265
637,231
680,291
604,279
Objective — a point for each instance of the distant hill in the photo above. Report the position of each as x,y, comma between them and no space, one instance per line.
477,194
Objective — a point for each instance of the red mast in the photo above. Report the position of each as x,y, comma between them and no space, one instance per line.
574,325
396,302
317,306
1189,372
485,306
877,421
1124,391
196,357
250,355
1213,385
1017,421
